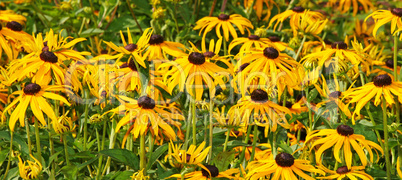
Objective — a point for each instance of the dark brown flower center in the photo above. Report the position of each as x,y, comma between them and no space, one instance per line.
196,58
45,48
389,63
123,65
103,93
130,47
327,42
32,89
212,169
382,80
48,56
271,53
342,170
339,45
243,66
259,95
131,65
298,9
223,17
274,38
397,12
15,26
104,51
284,160
1,27
335,94
188,158
209,54
287,104
345,130
146,102
156,39
254,37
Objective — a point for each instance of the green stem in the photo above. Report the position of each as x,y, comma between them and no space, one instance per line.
225,48
211,127
10,154
38,148
132,13
310,114
28,135
227,139
188,127
274,149
111,146
101,148
243,152
194,120
300,48
65,149
374,124
254,142
285,91
86,95
212,8
386,150
175,17
142,153
150,146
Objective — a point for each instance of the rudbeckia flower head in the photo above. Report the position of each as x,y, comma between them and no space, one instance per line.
355,172
382,17
28,169
193,156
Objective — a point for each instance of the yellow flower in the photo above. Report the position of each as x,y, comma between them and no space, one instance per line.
249,43
63,124
193,156
297,133
159,13
309,25
208,173
29,169
259,5
342,136
34,95
283,167
146,115
14,34
225,22
382,17
355,172
344,5
158,48
227,120
9,15
295,16
139,176
381,87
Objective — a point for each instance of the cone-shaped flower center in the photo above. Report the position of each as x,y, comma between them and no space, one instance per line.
342,170
32,89
15,26
259,95
209,54
212,169
397,12
48,56
131,65
156,39
271,53
243,66
382,80
339,45
284,160
146,102
196,58
298,9
223,17
389,63
1,27
130,47
335,94
104,51
254,37
274,38
345,130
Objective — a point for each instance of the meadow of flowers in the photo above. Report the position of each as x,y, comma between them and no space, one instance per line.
191,89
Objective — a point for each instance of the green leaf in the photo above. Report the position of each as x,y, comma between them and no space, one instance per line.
312,95
70,171
17,140
124,156
156,154
90,32
223,159
54,156
285,147
82,155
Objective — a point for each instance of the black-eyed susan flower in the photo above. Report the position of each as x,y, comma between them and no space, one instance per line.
344,5
158,48
382,17
145,115
63,124
132,49
259,7
9,15
224,22
193,156
210,172
363,31
29,169
193,71
342,137
127,77
295,16
382,87
249,43
284,166
257,108
12,32
309,26
281,46
262,151
34,95
355,172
